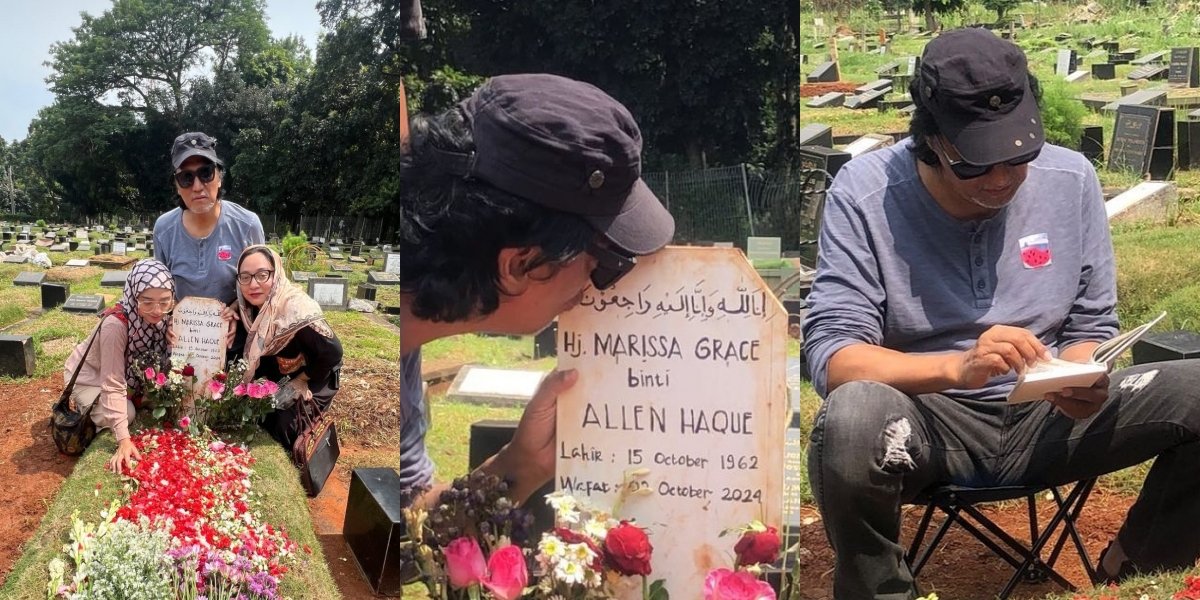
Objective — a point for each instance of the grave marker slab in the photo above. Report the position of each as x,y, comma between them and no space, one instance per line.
826,72
114,279
493,386
816,134
1091,143
331,293
1166,345
366,291
827,100
1148,73
341,268
1065,63
888,69
391,263
866,100
867,143
875,86
336,256
1104,71
374,528
764,248
16,259
1078,76
60,248
1152,201
382,278
1154,58
199,337
713,473
29,278
302,276
825,159
118,247
357,259
1184,67
77,262
17,356
1188,144
1140,140
1140,98
88,304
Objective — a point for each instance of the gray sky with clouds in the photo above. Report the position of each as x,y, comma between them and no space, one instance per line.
29,27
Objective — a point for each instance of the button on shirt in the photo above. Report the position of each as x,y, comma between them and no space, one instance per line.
206,267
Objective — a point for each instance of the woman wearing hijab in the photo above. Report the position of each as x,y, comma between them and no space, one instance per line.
132,327
286,337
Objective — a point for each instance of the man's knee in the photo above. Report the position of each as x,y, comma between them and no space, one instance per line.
869,419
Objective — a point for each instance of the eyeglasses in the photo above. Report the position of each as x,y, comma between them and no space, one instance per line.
262,276
185,179
162,306
611,265
965,170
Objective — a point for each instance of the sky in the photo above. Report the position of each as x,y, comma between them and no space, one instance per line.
28,28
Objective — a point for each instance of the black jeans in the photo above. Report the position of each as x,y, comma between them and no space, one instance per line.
875,448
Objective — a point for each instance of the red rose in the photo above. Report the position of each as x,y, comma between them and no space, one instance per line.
573,537
627,549
188,371
219,376
757,547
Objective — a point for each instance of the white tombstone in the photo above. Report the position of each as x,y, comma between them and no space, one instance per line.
391,263
118,248
199,337
682,372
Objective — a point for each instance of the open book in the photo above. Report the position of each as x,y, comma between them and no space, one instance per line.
1056,374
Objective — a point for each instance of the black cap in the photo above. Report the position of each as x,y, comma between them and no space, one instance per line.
976,86
569,146
194,144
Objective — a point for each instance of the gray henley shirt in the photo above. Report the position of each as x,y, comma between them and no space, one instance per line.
206,267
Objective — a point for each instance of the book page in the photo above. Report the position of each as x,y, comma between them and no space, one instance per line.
1108,352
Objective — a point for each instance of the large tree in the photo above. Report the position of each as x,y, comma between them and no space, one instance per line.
141,54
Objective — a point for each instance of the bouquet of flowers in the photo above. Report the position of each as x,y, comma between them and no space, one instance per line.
757,545
166,385
227,407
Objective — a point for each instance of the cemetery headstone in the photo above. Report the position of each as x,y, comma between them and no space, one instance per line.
829,100
1104,71
391,263
1154,58
1188,145
77,262
332,293
865,100
88,304
816,134
1166,345
335,255
114,279
705,417
888,69
54,294
17,357
826,72
341,268
16,259
199,337
366,291
1141,97
357,259
493,386
1148,73
59,248
374,527
544,341
1065,64
382,278
29,278
822,158
302,276
867,143
1091,143
118,247
1141,142
875,86
767,249
1184,67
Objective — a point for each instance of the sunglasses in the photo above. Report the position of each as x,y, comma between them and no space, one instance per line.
185,179
965,170
611,265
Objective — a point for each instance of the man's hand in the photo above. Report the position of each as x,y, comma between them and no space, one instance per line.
529,457
999,350
125,455
1081,403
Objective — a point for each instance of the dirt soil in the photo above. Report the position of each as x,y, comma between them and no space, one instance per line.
816,89
962,569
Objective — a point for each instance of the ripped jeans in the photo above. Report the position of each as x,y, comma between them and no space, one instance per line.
874,448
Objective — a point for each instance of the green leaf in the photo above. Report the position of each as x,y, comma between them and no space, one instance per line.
159,412
658,591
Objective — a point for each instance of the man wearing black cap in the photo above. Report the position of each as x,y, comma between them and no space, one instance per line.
514,202
948,264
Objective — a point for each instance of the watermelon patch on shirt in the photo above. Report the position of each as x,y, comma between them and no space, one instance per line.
1035,251
224,253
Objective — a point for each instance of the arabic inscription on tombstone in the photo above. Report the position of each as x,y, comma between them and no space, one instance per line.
682,372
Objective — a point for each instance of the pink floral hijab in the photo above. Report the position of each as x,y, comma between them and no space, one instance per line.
143,337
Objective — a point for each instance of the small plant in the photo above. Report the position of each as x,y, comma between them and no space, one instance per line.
297,252
41,223
1062,114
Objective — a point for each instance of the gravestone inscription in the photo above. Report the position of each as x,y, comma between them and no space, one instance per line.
1184,67
199,337
88,304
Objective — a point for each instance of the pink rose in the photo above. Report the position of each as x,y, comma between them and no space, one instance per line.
464,563
185,422
723,584
240,390
216,446
149,373
254,389
215,388
508,576
160,379
269,388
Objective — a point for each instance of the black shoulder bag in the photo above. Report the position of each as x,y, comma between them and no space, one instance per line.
72,430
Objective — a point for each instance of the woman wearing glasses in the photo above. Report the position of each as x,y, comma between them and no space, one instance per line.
202,238
134,326
286,337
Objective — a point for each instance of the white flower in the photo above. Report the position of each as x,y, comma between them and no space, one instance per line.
596,529
580,553
551,547
568,572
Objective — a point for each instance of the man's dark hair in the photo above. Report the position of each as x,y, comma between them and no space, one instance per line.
453,229
922,126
